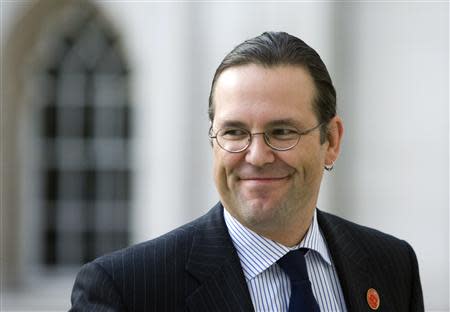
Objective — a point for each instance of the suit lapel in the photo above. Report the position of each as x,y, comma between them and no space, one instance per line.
352,263
213,261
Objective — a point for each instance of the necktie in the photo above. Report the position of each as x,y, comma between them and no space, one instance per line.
302,298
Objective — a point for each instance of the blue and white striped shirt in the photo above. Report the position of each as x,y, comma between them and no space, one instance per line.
269,286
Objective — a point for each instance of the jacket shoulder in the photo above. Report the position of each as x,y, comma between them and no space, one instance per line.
341,228
147,276
381,250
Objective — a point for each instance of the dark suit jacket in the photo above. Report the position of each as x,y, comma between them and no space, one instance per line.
196,268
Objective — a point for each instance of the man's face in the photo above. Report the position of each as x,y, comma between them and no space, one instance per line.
262,188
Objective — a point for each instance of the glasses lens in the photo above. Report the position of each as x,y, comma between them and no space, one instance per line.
282,138
233,139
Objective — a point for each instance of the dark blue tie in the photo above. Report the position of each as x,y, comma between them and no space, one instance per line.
302,298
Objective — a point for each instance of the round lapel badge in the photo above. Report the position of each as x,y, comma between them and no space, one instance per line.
373,299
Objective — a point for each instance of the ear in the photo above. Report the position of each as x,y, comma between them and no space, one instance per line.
334,137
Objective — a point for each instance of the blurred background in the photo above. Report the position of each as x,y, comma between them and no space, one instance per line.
104,126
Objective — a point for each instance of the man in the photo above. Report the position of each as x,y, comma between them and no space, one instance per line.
265,246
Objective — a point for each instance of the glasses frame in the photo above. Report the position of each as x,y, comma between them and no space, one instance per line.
213,135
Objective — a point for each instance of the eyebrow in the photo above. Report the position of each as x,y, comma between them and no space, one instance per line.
272,123
284,122
233,124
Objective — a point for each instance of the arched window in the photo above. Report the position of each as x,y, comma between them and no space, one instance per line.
83,132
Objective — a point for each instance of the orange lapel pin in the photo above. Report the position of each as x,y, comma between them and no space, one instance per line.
373,299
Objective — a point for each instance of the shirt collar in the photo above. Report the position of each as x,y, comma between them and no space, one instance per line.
258,253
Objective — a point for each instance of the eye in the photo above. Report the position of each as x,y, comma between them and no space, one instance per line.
283,133
233,134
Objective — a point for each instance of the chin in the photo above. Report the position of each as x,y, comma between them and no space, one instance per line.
258,212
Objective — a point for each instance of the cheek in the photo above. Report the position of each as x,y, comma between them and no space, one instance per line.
294,160
307,162
224,165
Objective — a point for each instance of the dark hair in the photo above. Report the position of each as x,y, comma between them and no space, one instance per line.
279,48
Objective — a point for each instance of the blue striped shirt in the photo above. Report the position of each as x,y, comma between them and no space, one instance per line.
269,286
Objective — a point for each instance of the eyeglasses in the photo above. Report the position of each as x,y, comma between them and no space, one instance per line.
236,140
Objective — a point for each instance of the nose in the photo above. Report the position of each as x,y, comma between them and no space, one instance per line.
259,153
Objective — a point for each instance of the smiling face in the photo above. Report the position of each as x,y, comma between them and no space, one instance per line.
271,192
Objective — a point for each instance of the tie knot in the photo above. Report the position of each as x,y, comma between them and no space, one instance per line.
294,265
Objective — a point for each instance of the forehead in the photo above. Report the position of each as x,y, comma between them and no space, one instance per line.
258,94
